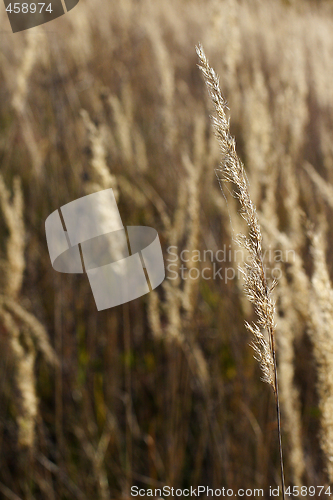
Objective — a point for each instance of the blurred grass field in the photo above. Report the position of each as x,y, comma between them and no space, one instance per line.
165,390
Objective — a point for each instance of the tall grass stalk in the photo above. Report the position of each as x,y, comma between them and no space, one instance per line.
257,288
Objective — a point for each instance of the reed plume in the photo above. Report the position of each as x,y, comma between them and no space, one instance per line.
321,308
25,333
256,287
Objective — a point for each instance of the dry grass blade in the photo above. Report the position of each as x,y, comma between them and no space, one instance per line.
23,329
324,187
256,287
322,338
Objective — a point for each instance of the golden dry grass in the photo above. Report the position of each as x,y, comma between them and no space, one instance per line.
165,388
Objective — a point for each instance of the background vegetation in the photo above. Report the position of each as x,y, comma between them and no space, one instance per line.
165,390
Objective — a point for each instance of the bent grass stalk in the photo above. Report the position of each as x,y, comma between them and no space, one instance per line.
256,286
